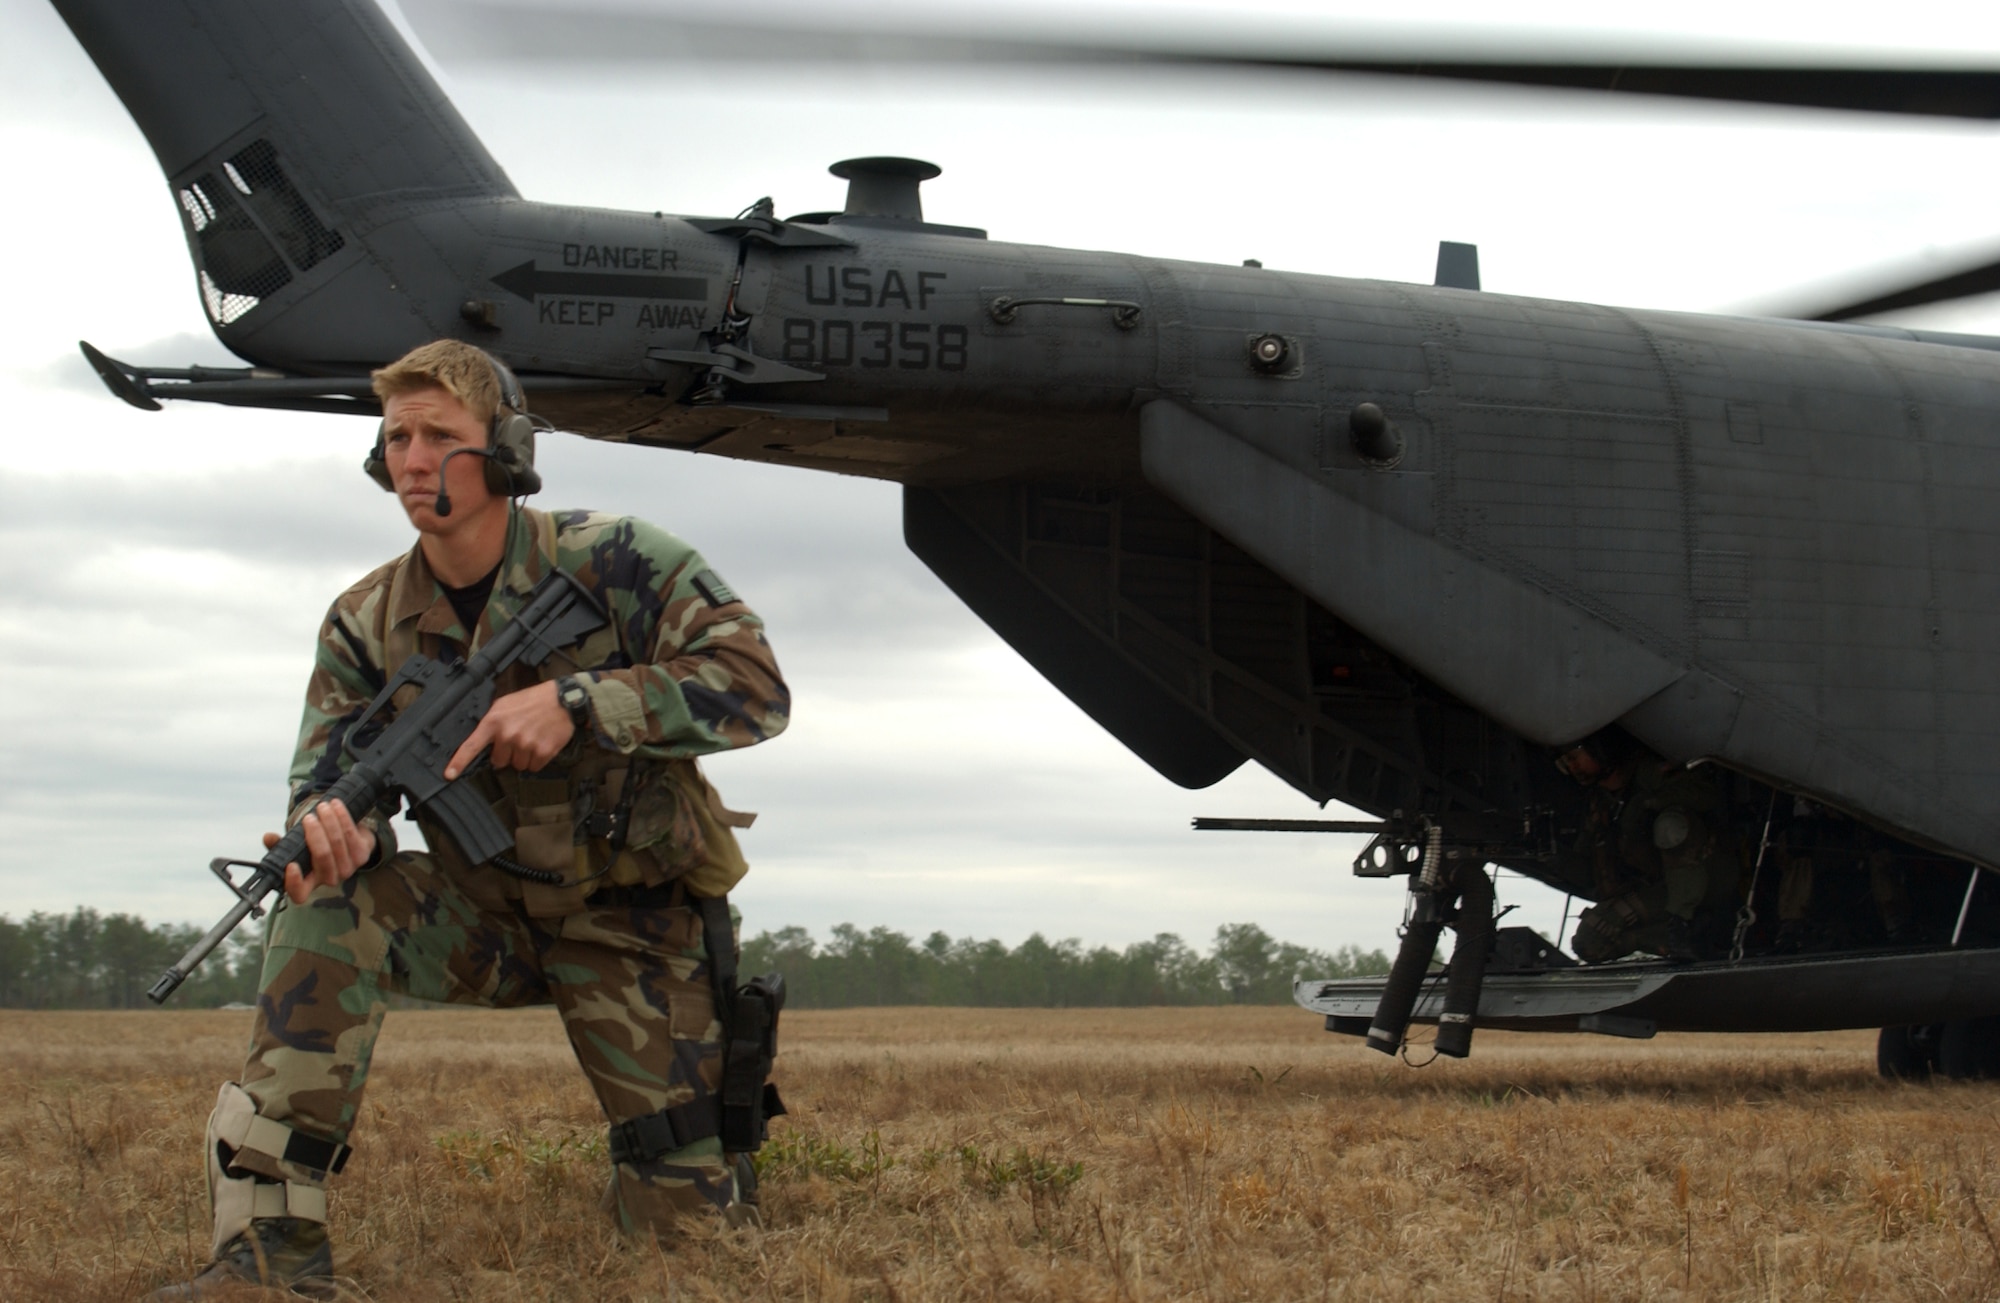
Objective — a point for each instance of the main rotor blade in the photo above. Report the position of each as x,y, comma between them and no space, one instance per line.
1983,279
607,31
1936,92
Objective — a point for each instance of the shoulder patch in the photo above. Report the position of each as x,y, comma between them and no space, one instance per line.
713,590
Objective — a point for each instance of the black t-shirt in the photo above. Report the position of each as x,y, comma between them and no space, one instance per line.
470,600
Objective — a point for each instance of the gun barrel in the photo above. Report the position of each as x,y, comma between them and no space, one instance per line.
170,981
1205,824
258,886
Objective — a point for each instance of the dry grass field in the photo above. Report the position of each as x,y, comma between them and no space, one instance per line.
1074,1155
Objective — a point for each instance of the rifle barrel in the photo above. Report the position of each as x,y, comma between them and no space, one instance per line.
255,888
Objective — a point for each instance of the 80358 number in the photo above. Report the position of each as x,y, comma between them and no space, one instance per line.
905,345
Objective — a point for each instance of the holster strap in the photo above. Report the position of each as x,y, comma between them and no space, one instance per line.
643,1139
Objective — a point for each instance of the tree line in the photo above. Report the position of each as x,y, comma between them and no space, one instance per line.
880,966
88,960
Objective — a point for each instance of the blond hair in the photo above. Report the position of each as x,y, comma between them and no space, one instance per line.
464,372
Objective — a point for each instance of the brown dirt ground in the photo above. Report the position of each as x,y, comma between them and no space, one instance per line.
1054,1155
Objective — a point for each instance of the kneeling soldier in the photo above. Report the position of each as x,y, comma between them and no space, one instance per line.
610,905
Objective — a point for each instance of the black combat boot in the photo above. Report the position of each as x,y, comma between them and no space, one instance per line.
277,1251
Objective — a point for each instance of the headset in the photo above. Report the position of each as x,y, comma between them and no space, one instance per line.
509,450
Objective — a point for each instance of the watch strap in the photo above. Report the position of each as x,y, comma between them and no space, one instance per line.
575,698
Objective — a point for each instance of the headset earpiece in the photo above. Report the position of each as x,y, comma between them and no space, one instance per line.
511,468
376,463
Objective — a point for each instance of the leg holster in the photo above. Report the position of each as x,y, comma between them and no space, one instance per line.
260,1168
740,1112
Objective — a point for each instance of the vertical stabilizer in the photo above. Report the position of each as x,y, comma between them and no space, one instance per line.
287,129
329,83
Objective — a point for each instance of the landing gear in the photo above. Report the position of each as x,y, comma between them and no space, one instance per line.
1966,1050
1970,1050
1907,1053
1432,894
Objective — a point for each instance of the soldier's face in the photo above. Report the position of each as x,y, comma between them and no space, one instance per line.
421,429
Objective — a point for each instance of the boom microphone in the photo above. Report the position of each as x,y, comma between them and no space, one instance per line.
443,504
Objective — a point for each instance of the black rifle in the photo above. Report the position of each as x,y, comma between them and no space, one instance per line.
410,754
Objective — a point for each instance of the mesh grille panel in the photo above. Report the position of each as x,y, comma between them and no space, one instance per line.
278,206
238,265
223,307
241,216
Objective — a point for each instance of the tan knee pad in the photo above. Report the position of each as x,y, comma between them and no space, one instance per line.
260,1168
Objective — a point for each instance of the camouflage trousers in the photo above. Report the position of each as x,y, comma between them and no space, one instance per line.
628,974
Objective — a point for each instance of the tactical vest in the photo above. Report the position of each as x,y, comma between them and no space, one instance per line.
594,817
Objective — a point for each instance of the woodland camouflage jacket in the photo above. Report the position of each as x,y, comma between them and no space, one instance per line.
682,670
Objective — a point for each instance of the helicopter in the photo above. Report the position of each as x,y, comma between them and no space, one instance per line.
1404,546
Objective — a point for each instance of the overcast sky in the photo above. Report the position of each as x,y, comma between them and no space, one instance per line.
165,573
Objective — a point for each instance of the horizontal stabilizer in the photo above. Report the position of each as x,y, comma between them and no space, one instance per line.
233,386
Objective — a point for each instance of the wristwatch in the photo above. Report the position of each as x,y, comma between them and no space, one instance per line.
575,699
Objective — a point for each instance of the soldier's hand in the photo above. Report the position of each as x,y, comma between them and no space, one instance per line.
338,845
526,730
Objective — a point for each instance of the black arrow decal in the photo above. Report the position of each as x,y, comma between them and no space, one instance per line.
526,282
